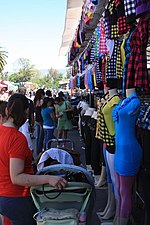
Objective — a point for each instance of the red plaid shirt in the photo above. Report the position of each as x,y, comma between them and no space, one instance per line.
137,73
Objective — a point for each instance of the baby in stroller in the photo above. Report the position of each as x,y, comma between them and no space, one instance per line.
70,205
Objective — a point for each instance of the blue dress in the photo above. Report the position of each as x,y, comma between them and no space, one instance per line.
128,153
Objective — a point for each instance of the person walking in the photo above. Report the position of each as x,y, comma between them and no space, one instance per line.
64,124
38,101
49,119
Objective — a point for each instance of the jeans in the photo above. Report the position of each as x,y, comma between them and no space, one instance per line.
19,210
48,134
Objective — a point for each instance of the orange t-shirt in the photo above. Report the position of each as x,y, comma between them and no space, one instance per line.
13,144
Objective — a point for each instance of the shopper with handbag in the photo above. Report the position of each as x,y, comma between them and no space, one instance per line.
64,123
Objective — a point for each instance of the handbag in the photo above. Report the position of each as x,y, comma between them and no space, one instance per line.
69,113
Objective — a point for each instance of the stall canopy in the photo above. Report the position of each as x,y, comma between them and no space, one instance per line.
3,86
73,16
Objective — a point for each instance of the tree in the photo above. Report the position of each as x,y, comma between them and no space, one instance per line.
51,80
3,56
69,72
14,78
55,76
4,75
25,71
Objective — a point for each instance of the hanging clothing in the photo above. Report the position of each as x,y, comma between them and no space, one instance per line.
129,6
144,117
102,41
110,46
137,73
90,79
111,69
119,66
114,25
142,7
123,27
127,49
107,24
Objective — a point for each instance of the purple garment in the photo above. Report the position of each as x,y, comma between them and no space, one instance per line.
142,6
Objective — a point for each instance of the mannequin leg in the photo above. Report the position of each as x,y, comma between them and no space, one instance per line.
108,201
102,180
124,198
110,160
79,125
103,177
118,196
112,204
111,209
126,195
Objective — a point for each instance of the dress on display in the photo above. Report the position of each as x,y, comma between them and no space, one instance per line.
128,153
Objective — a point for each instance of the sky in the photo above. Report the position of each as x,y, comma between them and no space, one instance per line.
33,29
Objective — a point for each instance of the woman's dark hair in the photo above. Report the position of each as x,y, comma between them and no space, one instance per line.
59,99
46,100
61,94
16,107
48,93
3,105
38,95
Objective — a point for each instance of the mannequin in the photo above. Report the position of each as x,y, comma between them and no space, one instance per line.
103,177
87,137
128,154
96,149
130,91
82,107
107,109
112,92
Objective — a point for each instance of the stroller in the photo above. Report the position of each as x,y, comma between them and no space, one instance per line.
71,206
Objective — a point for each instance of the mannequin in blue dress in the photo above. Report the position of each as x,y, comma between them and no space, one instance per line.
128,154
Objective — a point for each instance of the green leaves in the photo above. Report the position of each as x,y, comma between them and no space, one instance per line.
3,57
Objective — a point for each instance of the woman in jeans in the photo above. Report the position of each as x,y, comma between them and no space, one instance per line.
49,119
16,166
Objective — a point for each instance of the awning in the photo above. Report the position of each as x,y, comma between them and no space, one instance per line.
3,86
73,16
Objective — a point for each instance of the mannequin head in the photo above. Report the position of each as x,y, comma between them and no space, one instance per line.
112,92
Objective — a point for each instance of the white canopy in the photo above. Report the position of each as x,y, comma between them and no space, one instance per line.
73,16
